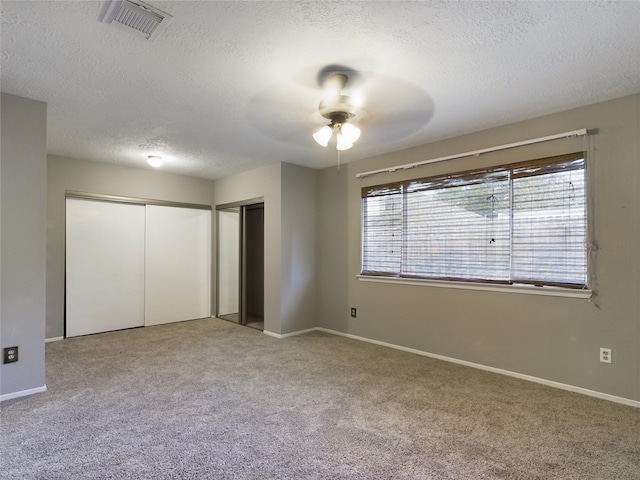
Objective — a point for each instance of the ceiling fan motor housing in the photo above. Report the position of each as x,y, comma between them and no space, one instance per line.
339,110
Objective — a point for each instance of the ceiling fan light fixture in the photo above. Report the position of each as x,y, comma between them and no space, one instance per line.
346,133
323,135
350,132
342,143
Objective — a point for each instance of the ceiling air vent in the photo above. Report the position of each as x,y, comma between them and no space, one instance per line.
139,16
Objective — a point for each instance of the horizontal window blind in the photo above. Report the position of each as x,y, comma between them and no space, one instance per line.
519,223
382,233
549,224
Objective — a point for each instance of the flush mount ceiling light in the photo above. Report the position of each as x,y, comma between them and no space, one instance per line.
154,160
341,110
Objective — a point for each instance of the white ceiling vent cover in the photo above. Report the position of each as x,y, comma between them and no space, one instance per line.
139,16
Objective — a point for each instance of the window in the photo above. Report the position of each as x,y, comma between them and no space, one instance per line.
519,223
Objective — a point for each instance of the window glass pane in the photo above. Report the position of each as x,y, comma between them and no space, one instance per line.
459,232
382,234
549,228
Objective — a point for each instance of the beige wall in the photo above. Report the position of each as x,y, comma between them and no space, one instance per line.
23,215
552,338
93,177
289,195
298,246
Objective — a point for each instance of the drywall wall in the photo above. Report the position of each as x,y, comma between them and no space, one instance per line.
298,246
289,196
332,248
552,338
23,212
66,174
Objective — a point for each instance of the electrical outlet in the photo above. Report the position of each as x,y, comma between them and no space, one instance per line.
605,355
10,354
353,312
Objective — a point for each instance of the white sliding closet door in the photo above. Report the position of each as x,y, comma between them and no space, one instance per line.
178,264
104,266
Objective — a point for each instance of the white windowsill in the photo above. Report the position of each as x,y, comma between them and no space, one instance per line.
491,287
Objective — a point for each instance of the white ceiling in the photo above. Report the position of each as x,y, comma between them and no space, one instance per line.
231,86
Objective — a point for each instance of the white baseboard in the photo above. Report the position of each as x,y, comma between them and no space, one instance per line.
298,332
22,393
542,381
53,339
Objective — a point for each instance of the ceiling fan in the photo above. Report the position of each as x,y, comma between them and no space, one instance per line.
342,110
384,108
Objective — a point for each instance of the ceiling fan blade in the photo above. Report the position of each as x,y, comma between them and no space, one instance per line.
391,128
287,113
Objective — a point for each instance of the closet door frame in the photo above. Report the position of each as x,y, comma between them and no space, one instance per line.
134,200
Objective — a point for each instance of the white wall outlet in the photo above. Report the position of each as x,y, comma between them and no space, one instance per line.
605,355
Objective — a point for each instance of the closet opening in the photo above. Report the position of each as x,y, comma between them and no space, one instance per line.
240,263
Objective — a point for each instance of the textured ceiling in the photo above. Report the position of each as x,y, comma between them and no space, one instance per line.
231,86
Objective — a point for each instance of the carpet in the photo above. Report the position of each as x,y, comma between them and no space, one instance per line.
209,399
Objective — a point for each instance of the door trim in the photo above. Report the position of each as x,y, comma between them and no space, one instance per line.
133,200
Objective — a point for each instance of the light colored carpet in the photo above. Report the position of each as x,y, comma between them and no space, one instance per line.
209,399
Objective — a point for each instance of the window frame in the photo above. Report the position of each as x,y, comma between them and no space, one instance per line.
541,166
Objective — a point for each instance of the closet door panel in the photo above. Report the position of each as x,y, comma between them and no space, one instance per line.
178,264
104,266
228,263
